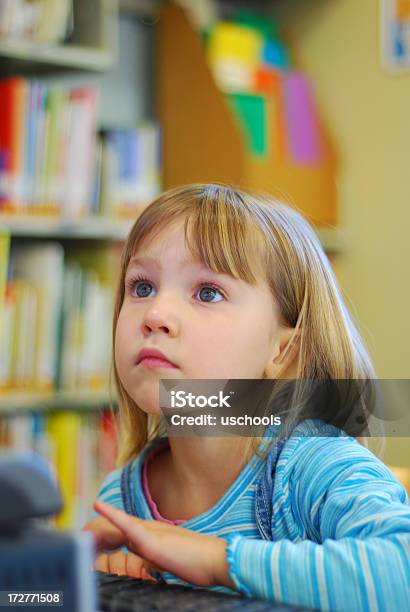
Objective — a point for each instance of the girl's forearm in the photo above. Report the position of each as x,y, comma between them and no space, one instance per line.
344,575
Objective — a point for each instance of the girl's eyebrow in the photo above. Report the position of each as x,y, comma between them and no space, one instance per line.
143,261
151,261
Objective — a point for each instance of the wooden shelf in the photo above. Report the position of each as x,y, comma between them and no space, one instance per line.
26,57
87,229
333,240
12,403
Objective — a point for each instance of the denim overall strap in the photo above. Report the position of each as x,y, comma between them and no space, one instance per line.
264,492
129,506
126,490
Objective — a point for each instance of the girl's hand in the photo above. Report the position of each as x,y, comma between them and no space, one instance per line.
102,527
196,558
124,565
117,562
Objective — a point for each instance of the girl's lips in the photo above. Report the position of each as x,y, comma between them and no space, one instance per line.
155,362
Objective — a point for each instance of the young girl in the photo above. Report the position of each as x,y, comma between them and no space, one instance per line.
220,284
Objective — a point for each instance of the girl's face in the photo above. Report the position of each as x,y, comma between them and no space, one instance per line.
210,325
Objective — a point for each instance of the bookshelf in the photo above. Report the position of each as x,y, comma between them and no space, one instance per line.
92,56
29,58
71,427
91,47
88,229
21,402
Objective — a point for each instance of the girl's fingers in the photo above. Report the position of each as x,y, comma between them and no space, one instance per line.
139,568
121,520
137,534
106,535
133,565
101,563
124,564
194,557
117,563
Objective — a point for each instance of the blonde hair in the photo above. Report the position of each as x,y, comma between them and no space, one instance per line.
237,233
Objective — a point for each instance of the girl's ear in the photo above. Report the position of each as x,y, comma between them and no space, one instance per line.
284,351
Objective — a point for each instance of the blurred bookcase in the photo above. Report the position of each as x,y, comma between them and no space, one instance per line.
71,425
90,48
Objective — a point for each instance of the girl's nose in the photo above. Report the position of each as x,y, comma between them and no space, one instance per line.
156,320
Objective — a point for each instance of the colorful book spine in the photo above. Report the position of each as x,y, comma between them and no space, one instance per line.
27,261
57,324
47,148
130,169
52,164
13,95
80,154
4,264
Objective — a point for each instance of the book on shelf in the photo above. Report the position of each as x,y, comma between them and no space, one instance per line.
81,447
58,314
85,330
52,163
64,431
129,167
22,362
4,262
47,147
41,266
38,21
77,175
12,124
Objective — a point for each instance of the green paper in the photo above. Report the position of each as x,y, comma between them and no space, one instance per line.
251,113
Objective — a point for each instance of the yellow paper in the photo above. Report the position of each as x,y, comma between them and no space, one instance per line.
235,41
4,260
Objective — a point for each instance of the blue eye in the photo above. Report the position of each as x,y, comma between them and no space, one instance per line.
142,285
207,292
142,288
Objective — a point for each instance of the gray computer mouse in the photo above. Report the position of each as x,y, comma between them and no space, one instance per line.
28,489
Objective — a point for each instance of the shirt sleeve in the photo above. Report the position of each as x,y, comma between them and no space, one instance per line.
353,519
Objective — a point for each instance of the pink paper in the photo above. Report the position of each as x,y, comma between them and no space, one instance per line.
302,128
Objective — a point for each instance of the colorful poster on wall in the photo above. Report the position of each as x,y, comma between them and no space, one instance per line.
395,34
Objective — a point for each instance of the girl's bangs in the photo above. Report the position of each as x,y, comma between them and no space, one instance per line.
220,231
225,240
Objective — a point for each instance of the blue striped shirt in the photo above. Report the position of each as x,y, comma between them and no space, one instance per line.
340,528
